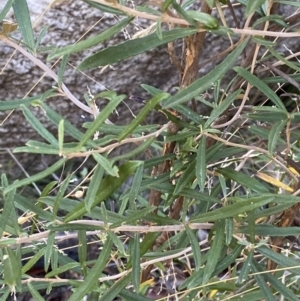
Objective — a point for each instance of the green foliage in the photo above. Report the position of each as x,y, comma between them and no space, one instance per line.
233,174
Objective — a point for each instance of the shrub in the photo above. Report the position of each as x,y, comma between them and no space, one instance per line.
202,207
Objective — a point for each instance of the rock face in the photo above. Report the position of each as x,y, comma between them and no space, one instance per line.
67,22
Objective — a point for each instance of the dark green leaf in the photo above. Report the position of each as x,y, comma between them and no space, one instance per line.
93,187
280,259
5,9
36,177
93,41
263,286
214,252
235,209
38,126
201,163
92,278
216,112
243,179
22,15
130,48
142,114
136,268
62,69
256,82
101,118
246,267
107,187
115,289
34,293
195,247
252,6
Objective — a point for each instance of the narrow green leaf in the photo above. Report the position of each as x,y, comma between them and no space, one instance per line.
145,245
107,186
268,116
117,242
206,19
49,250
106,9
38,126
106,164
214,252
15,103
6,292
22,15
131,48
246,267
252,6
166,4
116,288
274,135
136,268
40,36
251,226
93,275
82,250
271,18
187,176
278,285
263,286
93,41
65,268
11,268
48,188
205,82
134,217
61,137
183,14
138,150
62,69
286,62
26,204
280,259
201,163
270,230
93,187
229,259
104,114
195,247
223,185
243,179
50,150
75,227
7,210
33,260
235,209
142,114
259,84
34,293
62,189
216,112
135,186
210,3
5,9
229,230
158,29
36,177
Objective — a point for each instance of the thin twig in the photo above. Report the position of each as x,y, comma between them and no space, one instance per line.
49,72
102,224
110,147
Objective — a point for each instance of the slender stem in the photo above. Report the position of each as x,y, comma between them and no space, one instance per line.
48,71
